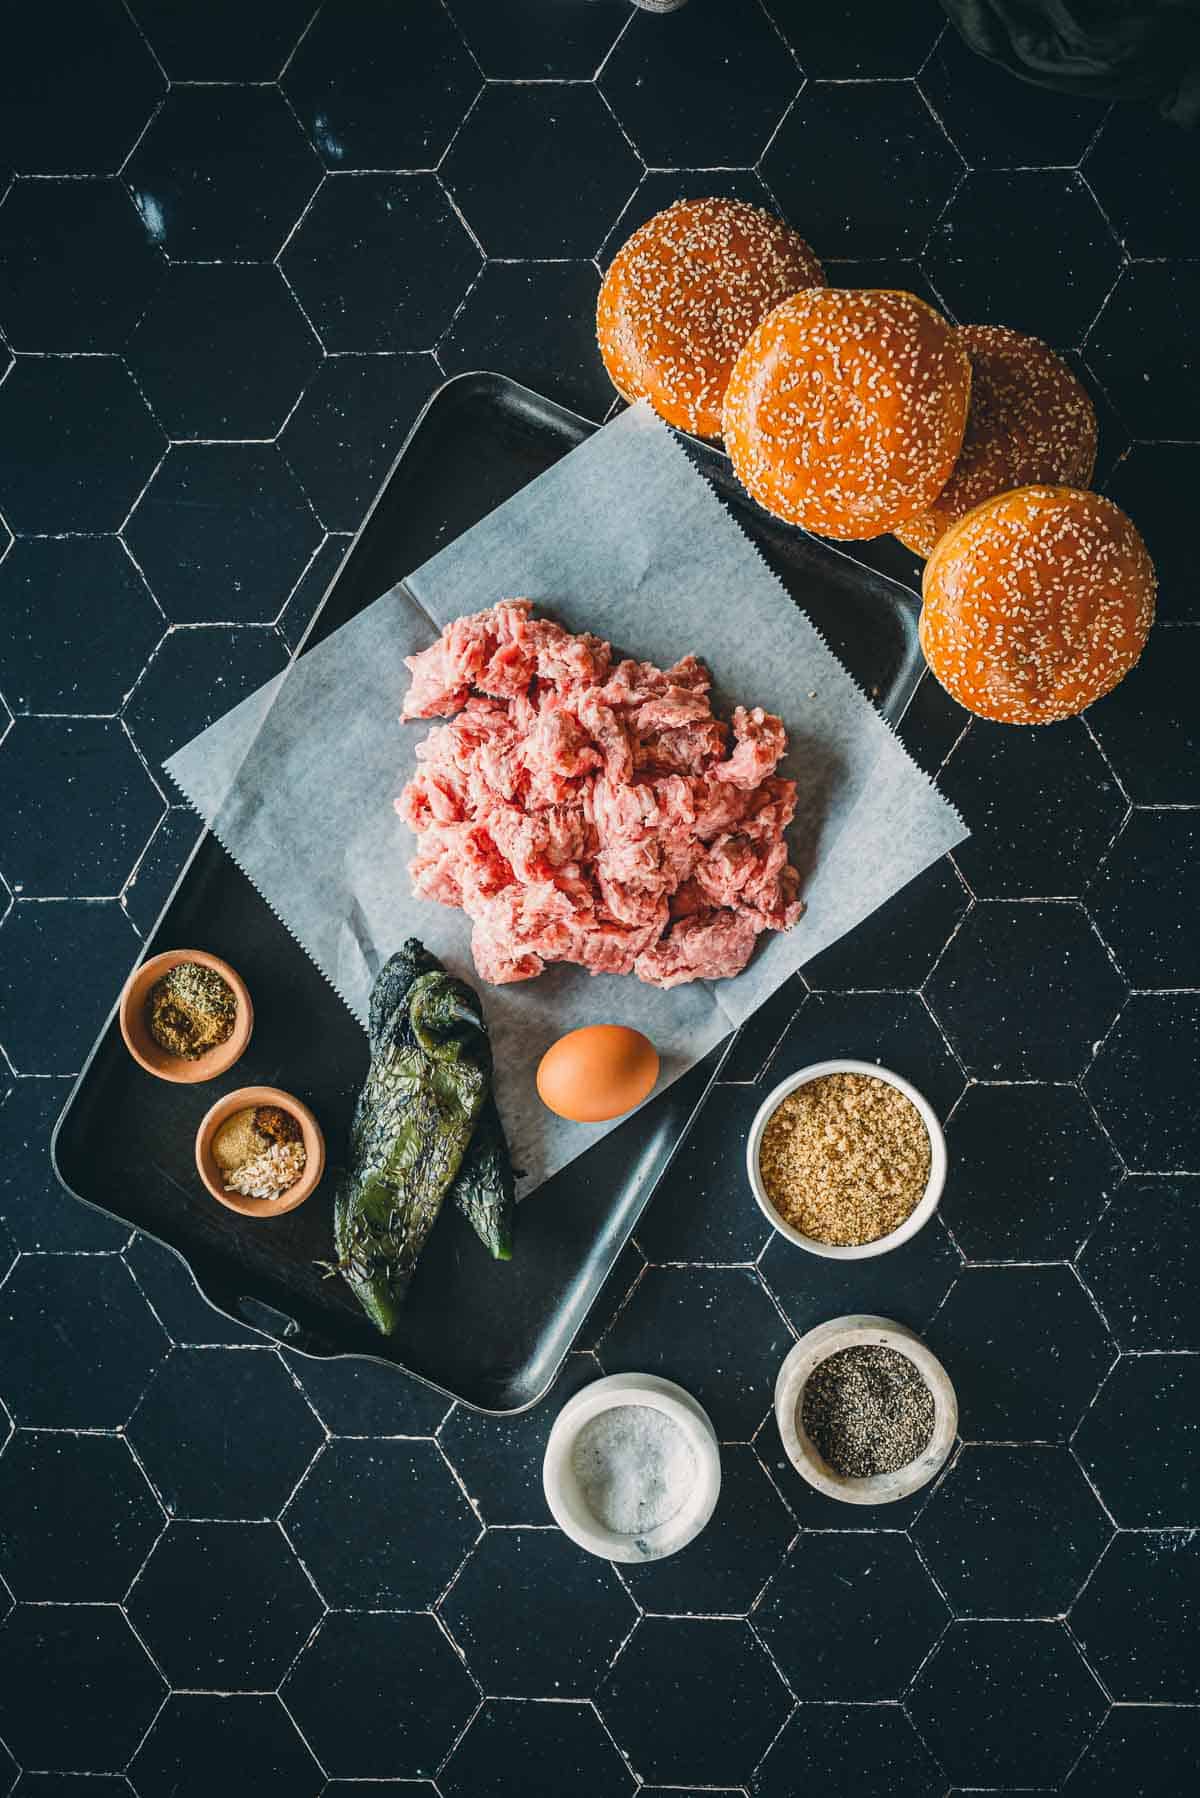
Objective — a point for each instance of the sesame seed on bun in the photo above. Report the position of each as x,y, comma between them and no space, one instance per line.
1036,604
1030,421
845,410
683,294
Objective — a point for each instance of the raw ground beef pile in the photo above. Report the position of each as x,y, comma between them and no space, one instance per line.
586,811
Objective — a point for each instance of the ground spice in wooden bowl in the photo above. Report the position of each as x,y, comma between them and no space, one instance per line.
867,1411
191,1010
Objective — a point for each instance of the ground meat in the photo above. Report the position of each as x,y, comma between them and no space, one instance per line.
583,811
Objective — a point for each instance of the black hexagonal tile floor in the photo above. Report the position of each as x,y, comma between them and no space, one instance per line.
1147,183
57,655
530,40
381,90
880,1616
997,1211
1144,900
1148,727
713,1330
933,722
1025,991
174,1296
223,533
76,265
499,1459
706,1211
869,1750
898,944
907,1284
222,40
72,1785
35,1209
1042,804
1142,1083
660,188
1146,483
1006,1701
895,168
1142,1263
1140,1442
998,121
76,87
515,1608
199,1739
62,960
1138,1616
196,676
310,590
362,1721
558,1747
79,1518
375,1567
380,262
1027,248
726,1567
1025,1349
536,321
89,1343
224,1433
76,444
1139,1751
559,149
893,1029
105,1688
104,803
222,351
1012,1532
349,427
906,274
354,1397
1152,377
717,1700
223,173
754,1045
157,870
878,39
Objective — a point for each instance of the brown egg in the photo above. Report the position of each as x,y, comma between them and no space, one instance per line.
599,1072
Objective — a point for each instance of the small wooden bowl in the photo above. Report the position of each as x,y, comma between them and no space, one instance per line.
314,1148
161,1062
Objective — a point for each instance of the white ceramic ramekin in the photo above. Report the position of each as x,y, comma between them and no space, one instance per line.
921,1212
566,1501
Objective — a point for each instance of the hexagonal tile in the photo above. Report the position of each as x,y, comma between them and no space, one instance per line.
1138,1752
74,92
222,40
515,1609
558,1747
717,1700
105,806
692,92
898,944
224,1433
374,1567
1141,1083
713,1329
76,444
536,321
932,722
1042,804
870,1750
1010,1701
1148,727
1138,1615
724,1569
1153,377
310,590
105,1689
223,1604
1140,1439
349,427
706,1211
660,188
1143,899
895,167
880,1616
63,960
354,1397
72,1785
499,1459
1012,1532
79,1517
1025,1350
59,656
1025,990
198,1739
998,121
560,149
76,265
176,1299
1147,183
223,173
36,1210
89,1343
380,262
907,1284
525,40
222,533
1142,1263
362,1721
381,90
1145,483
880,40
222,351
996,1211
893,1029
753,1049
149,886
1027,248
197,675
906,274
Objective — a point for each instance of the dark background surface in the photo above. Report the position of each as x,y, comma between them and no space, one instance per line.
238,248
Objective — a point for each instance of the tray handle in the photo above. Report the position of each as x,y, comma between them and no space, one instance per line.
278,1325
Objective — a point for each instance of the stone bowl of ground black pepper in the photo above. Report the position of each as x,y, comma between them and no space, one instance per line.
865,1412
186,1016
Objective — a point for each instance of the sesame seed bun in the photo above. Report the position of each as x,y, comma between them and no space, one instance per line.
1036,604
683,294
845,411
1030,421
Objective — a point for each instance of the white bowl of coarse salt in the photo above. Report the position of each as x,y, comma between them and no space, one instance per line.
632,1470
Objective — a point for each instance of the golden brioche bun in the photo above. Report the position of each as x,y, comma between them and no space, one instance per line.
845,410
1029,421
681,297
1036,604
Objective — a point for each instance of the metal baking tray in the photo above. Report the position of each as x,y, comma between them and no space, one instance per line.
490,1335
